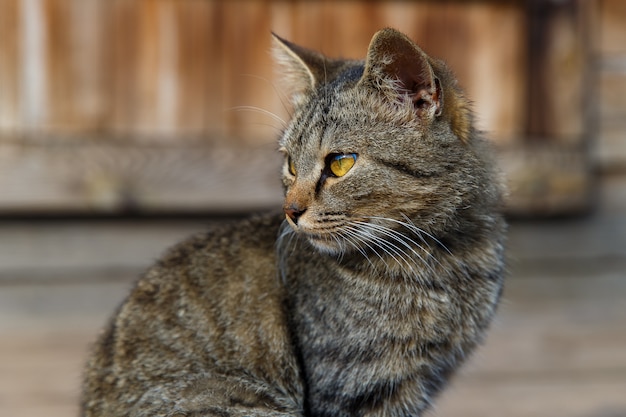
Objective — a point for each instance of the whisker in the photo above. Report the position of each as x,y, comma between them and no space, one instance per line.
285,231
353,237
411,256
419,232
261,111
395,252
415,229
403,240
396,236
340,245
410,225
402,259
282,97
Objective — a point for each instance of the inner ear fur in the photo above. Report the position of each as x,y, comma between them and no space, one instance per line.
303,69
458,109
396,66
396,62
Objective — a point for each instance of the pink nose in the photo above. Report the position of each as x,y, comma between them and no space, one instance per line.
294,212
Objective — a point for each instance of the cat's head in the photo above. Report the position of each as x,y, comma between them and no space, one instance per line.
375,149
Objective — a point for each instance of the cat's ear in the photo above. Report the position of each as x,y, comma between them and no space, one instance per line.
398,68
302,68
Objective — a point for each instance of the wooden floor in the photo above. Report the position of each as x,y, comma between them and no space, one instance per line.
558,348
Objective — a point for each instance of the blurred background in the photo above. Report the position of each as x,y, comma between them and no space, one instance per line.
126,125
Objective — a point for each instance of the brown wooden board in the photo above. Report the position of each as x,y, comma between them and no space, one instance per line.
556,348
610,31
178,68
111,78
609,43
91,176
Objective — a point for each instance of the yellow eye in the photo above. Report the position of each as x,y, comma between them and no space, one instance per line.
342,163
291,166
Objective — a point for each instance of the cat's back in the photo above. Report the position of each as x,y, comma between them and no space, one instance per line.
212,305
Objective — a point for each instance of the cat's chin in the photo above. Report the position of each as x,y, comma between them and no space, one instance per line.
325,245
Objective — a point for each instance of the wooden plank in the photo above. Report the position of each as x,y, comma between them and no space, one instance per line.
567,397
576,240
612,93
562,346
51,72
214,92
100,176
177,72
41,359
546,179
611,147
556,348
612,194
609,43
194,60
153,68
247,72
107,250
10,26
31,65
169,68
124,57
550,171
610,151
559,58
610,30
58,53
501,61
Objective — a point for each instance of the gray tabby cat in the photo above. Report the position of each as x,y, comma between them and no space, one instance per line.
362,298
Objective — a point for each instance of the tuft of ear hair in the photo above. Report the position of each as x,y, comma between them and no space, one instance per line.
458,109
299,66
398,67
400,70
395,67
302,69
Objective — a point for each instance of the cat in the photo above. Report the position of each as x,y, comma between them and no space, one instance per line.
362,297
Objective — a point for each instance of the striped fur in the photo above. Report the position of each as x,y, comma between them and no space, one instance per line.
364,301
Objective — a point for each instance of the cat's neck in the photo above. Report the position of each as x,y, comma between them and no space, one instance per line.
410,263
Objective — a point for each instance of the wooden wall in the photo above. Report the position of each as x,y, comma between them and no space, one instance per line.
176,68
609,44
144,104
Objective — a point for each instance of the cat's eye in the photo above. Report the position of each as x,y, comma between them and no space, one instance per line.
291,166
340,164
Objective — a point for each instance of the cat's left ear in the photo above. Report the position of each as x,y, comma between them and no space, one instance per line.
302,68
397,67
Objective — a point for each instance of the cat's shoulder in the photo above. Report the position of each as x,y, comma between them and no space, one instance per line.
212,262
228,241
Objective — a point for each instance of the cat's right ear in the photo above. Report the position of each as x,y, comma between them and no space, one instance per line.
399,69
301,68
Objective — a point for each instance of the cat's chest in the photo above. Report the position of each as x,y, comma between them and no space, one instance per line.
358,334
342,304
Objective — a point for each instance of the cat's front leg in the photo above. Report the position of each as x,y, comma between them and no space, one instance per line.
226,396
231,412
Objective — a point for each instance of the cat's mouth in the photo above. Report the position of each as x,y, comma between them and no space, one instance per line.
323,237
311,233
381,237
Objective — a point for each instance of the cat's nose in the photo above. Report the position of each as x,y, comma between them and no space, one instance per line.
294,212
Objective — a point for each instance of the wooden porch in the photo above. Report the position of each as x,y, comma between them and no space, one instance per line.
109,138
558,347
